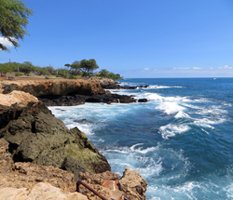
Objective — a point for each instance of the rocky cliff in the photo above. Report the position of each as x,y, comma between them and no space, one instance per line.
35,135
57,87
36,148
66,92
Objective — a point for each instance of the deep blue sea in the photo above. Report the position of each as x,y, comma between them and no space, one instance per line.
181,141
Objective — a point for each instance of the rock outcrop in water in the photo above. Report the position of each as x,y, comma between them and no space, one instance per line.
81,99
111,84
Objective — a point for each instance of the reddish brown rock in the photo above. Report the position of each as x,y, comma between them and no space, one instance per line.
20,180
131,186
57,87
40,191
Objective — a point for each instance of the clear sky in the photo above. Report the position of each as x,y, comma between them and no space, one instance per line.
137,38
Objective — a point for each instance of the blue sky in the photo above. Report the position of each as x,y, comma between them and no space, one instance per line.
137,38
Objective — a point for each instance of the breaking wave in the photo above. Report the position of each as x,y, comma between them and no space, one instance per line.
171,130
161,87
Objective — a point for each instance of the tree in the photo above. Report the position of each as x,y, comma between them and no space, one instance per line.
74,68
103,73
106,74
62,73
50,70
26,67
84,67
13,20
88,66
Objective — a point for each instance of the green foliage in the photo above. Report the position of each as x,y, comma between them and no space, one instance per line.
50,70
76,70
88,66
106,74
62,73
26,68
19,74
73,76
83,67
13,19
8,67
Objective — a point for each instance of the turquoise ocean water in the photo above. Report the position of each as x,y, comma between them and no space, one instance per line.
181,141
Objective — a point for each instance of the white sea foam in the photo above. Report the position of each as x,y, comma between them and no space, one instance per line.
136,157
138,149
212,110
187,189
171,130
128,84
196,111
120,150
229,191
182,114
170,107
152,167
208,123
86,128
161,87
157,97
188,186
184,191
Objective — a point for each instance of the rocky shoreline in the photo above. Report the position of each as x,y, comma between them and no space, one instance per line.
32,138
71,92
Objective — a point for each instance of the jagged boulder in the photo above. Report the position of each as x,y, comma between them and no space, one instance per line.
130,186
133,185
35,135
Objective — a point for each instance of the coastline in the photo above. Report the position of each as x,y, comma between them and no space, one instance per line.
30,149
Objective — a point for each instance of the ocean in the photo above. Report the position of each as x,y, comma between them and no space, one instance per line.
181,141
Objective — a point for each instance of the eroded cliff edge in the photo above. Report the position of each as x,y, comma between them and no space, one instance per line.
37,143
66,92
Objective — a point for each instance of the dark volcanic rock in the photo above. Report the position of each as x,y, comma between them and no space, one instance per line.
142,100
35,135
116,85
81,99
83,121
63,100
6,114
111,98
